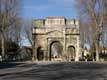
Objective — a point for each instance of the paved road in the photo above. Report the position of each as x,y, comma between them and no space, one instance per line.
55,71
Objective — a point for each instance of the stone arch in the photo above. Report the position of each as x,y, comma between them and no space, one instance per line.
71,52
40,53
56,50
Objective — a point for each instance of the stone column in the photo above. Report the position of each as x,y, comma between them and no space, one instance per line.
45,53
77,50
64,35
34,48
48,52
36,54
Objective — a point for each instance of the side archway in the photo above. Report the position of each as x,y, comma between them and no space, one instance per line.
40,53
71,52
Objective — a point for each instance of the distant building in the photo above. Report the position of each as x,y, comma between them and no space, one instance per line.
25,53
56,38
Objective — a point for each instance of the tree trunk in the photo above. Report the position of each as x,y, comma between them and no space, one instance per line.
3,47
97,52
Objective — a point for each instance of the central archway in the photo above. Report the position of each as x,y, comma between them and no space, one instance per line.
56,49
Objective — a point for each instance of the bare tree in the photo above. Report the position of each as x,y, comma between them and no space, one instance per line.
95,13
27,29
8,18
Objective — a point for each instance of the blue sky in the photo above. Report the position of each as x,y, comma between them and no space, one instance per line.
44,8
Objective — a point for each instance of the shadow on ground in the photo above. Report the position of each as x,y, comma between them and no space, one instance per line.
4,65
61,71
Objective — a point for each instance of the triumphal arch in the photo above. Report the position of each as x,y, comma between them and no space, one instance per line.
56,39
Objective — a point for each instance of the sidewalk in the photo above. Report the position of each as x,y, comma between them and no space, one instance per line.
25,66
16,69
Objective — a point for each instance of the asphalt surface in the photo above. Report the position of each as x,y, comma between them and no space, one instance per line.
54,71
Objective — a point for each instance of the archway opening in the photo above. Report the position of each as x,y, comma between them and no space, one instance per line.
56,49
71,53
40,54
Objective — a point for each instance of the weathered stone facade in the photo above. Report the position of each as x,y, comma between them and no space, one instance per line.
56,38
